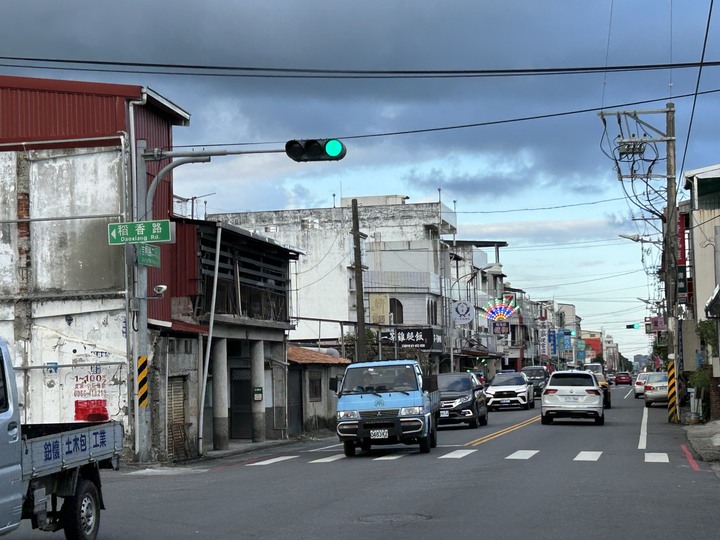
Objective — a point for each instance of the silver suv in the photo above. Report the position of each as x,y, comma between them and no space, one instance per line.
572,394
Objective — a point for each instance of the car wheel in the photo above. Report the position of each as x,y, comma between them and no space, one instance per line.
80,513
433,434
473,423
546,420
600,420
349,448
648,404
637,396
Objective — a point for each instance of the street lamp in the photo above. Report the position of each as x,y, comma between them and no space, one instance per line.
460,310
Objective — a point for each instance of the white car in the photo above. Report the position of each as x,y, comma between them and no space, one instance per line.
639,385
572,394
508,390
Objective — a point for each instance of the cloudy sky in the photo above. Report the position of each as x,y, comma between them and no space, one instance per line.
490,106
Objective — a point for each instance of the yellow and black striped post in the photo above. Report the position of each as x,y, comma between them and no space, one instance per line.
142,382
673,415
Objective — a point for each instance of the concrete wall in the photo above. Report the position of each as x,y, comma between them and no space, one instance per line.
62,285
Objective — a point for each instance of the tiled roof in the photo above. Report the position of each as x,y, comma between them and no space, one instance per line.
301,355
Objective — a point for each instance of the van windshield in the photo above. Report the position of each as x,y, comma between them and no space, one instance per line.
375,379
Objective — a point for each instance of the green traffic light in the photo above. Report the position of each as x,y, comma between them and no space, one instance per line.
333,147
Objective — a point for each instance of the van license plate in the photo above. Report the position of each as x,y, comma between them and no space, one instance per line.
378,433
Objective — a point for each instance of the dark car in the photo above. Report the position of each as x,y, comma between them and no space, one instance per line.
538,376
623,378
462,400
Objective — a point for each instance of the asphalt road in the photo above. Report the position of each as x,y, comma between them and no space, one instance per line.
515,478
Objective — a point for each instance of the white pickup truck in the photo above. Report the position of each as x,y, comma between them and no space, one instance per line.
50,473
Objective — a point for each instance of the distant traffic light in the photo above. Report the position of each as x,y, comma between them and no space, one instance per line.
633,326
315,150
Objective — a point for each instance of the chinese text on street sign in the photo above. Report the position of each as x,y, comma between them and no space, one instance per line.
139,232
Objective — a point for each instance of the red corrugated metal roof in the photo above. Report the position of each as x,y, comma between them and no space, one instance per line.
301,355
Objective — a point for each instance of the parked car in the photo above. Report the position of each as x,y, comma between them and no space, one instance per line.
538,375
640,385
610,378
462,400
623,377
656,388
572,394
607,395
510,389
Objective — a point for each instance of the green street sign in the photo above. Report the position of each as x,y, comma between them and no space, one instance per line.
148,255
139,232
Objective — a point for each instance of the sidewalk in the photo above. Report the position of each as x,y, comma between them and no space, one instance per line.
704,438
243,446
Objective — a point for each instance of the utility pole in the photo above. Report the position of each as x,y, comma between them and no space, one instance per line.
627,151
361,354
671,271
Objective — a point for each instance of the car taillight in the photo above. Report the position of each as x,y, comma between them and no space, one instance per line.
638,382
649,387
593,391
550,391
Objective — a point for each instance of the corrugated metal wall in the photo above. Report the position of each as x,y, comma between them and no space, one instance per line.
48,110
40,109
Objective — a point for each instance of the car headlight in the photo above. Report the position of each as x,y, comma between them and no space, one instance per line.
460,401
411,411
348,415
520,392
490,391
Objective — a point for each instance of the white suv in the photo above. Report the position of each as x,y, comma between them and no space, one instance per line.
510,389
572,394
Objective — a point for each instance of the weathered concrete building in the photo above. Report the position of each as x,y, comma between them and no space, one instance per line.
411,275
205,358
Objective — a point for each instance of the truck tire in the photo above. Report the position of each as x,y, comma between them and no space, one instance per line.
349,448
81,512
433,434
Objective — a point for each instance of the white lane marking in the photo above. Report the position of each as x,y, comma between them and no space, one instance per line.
389,457
642,443
659,457
457,454
631,391
326,448
328,459
270,461
522,454
588,456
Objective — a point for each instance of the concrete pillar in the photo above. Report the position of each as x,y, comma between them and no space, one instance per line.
257,380
221,424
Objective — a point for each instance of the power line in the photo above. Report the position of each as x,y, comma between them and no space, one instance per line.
204,70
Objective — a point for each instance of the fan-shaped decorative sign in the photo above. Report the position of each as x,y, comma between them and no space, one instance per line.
498,310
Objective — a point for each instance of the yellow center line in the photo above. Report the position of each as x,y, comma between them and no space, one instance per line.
502,432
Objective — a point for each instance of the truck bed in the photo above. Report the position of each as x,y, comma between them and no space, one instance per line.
50,448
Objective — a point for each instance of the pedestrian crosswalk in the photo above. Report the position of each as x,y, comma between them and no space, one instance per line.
582,456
